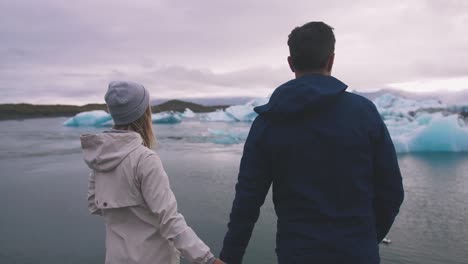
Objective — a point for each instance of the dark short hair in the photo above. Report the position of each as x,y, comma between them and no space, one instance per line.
311,45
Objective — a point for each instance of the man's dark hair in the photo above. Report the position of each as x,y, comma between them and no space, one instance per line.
311,45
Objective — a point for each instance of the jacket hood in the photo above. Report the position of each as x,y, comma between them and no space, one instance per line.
307,93
105,151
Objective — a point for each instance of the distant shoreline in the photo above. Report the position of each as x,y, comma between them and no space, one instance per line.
27,111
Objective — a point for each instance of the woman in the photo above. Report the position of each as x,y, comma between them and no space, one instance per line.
130,189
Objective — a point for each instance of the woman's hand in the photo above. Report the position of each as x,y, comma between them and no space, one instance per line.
218,261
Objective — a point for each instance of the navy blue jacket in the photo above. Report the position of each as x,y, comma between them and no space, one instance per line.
337,187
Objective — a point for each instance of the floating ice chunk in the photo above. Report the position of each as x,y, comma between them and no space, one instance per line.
424,118
415,126
217,116
241,113
458,108
95,118
259,101
430,133
166,118
423,126
100,118
386,241
245,113
188,114
397,108
443,133
109,123
390,101
235,113
227,137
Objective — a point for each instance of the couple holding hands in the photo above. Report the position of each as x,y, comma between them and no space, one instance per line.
337,186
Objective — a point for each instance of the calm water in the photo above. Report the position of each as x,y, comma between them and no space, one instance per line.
43,184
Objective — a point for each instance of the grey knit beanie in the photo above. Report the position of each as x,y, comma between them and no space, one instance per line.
126,101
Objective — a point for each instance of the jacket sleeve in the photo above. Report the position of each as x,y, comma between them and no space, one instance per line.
93,209
389,192
160,199
254,181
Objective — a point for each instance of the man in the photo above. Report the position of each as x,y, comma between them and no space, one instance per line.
337,187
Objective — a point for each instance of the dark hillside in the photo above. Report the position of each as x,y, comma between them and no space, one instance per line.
23,111
180,106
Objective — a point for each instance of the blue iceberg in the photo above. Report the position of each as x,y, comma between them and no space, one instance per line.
415,126
430,133
423,126
97,118
100,118
166,118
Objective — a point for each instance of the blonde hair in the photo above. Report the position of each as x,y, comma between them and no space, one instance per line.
142,126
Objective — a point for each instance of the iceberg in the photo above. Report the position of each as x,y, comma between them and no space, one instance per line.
188,114
95,118
430,133
100,118
235,113
459,109
390,101
166,118
109,123
415,126
241,113
423,126
245,113
217,116
392,107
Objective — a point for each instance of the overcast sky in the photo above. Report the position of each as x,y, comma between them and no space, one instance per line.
54,51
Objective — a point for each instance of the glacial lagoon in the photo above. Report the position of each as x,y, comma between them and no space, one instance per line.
44,183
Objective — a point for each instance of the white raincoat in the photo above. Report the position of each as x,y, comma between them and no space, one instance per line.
130,189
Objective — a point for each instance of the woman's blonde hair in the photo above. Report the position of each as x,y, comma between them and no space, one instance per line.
142,126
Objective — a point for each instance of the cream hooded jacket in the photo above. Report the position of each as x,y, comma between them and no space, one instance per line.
130,189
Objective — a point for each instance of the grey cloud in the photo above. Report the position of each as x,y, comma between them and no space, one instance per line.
164,82
190,82
61,50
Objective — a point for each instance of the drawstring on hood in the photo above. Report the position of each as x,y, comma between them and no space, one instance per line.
105,151
306,93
